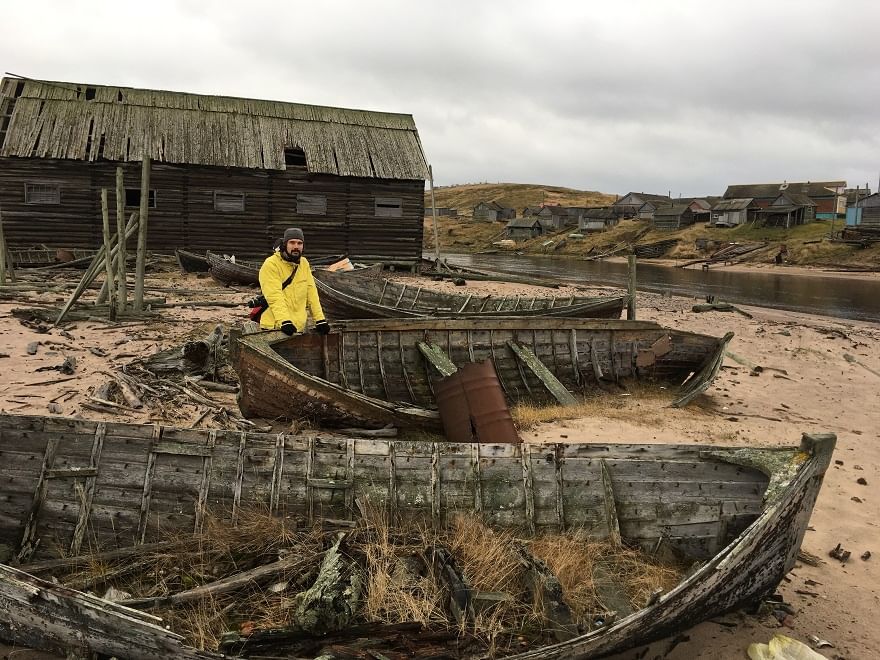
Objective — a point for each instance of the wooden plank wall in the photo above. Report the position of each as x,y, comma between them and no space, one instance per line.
122,484
184,215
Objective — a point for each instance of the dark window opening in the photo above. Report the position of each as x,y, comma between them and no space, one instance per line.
228,202
311,204
19,89
389,207
42,193
119,96
91,92
133,198
295,157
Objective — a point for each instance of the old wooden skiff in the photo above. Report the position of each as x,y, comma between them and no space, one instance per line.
72,485
346,295
374,372
227,272
192,262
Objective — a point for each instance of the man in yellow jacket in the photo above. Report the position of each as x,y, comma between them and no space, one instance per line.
287,283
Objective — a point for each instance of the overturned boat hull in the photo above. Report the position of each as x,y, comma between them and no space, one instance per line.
373,372
350,296
740,512
226,271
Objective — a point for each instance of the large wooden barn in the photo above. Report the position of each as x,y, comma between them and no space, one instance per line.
228,174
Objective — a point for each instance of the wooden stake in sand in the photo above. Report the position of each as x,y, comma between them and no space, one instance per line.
631,289
121,293
108,253
2,254
142,236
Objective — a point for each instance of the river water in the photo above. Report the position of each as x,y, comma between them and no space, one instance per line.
829,296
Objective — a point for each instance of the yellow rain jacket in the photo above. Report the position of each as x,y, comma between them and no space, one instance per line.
291,303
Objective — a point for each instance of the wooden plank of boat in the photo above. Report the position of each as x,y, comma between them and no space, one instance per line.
538,368
226,271
344,296
741,513
40,257
655,249
286,377
190,262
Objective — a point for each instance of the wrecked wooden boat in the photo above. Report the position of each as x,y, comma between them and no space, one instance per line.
75,487
192,262
230,270
379,372
655,249
347,295
41,257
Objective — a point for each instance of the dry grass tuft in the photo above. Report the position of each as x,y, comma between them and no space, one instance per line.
645,407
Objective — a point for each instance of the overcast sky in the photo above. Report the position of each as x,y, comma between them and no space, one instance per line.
654,96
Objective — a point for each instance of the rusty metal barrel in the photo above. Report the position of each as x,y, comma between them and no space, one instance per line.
472,406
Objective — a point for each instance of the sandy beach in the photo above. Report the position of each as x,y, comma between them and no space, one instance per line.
807,385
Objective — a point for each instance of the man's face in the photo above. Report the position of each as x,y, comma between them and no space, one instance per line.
294,247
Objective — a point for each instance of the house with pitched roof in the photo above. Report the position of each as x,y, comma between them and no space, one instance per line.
628,206
228,174
829,196
492,211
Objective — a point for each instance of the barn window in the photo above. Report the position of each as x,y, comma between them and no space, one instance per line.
294,157
133,198
389,207
42,193
311,204
228,202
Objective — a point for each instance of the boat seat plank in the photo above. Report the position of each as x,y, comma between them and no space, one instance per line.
551,382
438,358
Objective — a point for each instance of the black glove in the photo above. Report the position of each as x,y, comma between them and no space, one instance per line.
288,328
322,327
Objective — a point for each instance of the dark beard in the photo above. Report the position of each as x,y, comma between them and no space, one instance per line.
292,258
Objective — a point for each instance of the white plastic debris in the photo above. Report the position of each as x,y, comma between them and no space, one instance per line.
783,648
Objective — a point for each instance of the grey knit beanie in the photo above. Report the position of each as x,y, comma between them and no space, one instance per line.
291,233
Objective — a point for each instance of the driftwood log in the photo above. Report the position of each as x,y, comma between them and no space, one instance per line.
194,357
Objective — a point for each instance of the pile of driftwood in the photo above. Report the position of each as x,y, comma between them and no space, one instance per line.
271,588
729,254
189,373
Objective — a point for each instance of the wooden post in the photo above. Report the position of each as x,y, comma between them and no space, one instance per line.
142,236
108,254
434,215
122,291
2,254
631,289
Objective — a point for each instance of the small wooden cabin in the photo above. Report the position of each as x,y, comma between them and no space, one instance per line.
492,211
524,228
228,174
788,210
673,217
598,219
733,212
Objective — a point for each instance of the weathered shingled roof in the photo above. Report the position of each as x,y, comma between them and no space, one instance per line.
523,223
674,210
91,122
736,204
772,190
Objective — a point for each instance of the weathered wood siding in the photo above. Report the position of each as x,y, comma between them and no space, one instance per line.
185,217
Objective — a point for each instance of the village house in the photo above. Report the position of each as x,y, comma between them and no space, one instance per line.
646,210
553,218
492,212
598,219
829,196
865,212
228,174
628,206
787,210
673,217
524,228
733,212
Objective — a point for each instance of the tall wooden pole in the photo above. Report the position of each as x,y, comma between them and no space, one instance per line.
2,254
631,288
142,236
434,214
122,291
108,255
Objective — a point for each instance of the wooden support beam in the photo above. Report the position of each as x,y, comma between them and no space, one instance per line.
108,256
631,289
121,292
551,382
3,264
140,265
437,357
610,507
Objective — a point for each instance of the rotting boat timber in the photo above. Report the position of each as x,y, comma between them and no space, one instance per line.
68,484
226,272
345,295
377,372
191,262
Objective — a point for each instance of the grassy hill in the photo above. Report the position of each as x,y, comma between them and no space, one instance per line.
515,195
